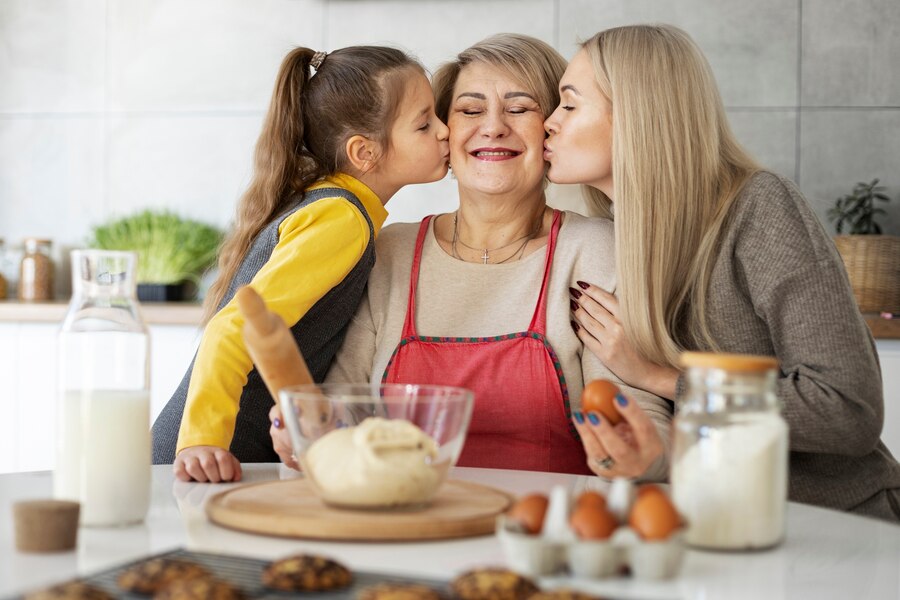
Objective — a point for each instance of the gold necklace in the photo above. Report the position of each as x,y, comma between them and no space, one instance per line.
486,252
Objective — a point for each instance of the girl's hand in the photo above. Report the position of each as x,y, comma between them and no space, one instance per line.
597,325
206,463
626,449
281,440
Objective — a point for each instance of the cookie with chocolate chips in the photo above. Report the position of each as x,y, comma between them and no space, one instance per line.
493,584
308,573
562,594
398,591
155,574
199,588
72,590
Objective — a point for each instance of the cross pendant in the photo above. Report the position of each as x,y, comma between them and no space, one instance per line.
485,256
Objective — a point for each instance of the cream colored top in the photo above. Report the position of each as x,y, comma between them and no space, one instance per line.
461,299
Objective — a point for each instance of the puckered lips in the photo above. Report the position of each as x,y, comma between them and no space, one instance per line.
548,151
494,154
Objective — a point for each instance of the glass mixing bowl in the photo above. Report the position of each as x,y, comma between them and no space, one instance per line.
376,446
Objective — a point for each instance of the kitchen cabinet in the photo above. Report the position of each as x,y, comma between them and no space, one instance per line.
28,398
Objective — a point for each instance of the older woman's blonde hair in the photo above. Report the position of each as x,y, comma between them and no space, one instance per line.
531,62
677,169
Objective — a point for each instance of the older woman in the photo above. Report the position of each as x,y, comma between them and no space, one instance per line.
715,253
477,298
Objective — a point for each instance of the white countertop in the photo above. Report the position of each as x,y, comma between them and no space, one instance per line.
827,554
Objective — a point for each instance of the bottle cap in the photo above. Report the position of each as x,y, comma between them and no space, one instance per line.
45,525
740,363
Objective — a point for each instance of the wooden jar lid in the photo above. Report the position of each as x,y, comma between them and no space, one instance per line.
45,525
741,363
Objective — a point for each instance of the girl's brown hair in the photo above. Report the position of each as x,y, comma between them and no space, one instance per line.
355,91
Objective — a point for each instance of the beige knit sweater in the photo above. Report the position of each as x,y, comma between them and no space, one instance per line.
460,299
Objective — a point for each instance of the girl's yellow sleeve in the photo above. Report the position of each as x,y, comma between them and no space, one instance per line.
318,246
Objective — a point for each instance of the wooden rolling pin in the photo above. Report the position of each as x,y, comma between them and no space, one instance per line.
270,344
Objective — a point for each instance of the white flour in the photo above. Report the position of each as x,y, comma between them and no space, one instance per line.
731,485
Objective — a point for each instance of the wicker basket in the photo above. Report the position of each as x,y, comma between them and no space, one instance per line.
873,264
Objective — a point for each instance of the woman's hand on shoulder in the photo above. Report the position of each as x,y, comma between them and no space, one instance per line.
595,319
206,464
627,449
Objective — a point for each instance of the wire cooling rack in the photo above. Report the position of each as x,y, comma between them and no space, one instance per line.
245,573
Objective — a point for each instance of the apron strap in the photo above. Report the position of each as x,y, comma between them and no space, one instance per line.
409,325
539,320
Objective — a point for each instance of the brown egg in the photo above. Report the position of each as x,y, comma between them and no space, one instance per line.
593,522
599,396
529,512
590,499
653,515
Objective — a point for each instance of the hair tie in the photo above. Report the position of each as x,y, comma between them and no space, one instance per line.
317,59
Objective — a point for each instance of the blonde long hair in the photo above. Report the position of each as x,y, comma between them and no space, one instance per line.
355,91
677,170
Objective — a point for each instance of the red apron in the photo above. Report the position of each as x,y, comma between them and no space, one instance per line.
521,417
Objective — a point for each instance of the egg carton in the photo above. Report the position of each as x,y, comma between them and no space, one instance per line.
557,548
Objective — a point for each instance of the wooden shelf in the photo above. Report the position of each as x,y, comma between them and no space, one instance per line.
155,313
885,329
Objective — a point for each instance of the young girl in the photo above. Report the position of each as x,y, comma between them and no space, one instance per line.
344,132
714,253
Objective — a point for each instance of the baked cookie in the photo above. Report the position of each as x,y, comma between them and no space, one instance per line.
398,591
199,588
493,584
153,575
305,572
73,590
561,594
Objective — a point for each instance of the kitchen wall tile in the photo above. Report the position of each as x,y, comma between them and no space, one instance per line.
752,47
414,202
842,147
770,136
196,165
434,30
203,54
850,53
51,178
52,56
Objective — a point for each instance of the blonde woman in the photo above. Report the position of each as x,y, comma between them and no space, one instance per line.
715,253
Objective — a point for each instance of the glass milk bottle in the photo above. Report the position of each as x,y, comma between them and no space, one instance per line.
103,424
730,453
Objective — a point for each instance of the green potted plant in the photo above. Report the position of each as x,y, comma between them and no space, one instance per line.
172,250
871,258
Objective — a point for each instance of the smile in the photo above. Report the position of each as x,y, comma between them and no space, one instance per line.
494,154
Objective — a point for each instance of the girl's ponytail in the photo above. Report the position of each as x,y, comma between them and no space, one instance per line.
355,90
282,165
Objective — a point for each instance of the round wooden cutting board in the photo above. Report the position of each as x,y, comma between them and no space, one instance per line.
290,508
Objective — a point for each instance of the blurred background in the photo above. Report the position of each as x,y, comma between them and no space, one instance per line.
111,106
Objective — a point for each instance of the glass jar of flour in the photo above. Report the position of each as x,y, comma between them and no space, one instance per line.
103,421
730,453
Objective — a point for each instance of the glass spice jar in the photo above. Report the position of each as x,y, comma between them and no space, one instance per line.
36,271
730,453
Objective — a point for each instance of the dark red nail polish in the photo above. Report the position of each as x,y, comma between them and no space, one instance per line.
575,293
575,326
583,285
574,305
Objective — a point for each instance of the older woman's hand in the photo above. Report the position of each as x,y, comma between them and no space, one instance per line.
281,440
596,322
627,449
